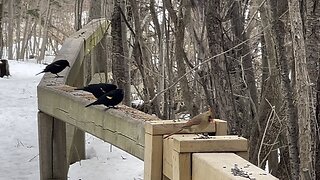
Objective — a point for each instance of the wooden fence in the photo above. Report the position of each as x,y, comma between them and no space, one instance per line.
63,119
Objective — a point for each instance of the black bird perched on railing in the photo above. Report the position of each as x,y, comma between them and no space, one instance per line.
56,67
110,99
98,89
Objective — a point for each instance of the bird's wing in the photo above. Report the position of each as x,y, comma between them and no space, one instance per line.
102,90
192,122
56,65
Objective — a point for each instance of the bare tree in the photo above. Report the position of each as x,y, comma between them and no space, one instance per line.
224,94
313,54
45,33
78,14
10,29
120,75
302,86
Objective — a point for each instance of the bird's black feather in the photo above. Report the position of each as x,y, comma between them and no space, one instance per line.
98,89
56,67
109,99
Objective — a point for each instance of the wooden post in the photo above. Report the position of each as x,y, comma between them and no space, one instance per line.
52,147
152,157
221,127
75,144
181,164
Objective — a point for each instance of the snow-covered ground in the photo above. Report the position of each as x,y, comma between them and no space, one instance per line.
18,135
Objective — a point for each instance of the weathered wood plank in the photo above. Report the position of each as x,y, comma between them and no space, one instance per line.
168,126
182,143
60,166
52,148
153,157
218,166
181,163
167,157
122,127
221,127
45,123
75,144
243,154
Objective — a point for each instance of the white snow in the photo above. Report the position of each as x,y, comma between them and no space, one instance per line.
19,144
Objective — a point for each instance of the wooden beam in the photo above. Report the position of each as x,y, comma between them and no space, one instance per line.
122,127
162,127
52,148
153,157
220,165
183,143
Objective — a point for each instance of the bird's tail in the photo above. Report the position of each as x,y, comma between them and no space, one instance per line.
78,89
172,133
39,73
90,104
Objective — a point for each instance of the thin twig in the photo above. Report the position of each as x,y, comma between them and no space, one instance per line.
33,158
264,134
278,134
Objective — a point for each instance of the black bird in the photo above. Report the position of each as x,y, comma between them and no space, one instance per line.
109,99
56,67
98,89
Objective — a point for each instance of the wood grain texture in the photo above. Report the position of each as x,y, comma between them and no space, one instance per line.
153,157
168,126
122,127
52,147
183,143
181,166
218,165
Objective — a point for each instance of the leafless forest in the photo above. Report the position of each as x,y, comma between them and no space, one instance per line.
255,61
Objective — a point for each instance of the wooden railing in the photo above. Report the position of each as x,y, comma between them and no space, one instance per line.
63,119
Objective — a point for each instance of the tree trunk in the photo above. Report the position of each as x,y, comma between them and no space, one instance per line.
317,157
1,24
224,94
302,87
143,58
10,29
119,72
18,21
244,74
45,33
126,63
313,56
187,94
78,14
95,9
159,29
277,11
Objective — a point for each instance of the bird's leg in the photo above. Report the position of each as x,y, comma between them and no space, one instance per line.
106,108
113,107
